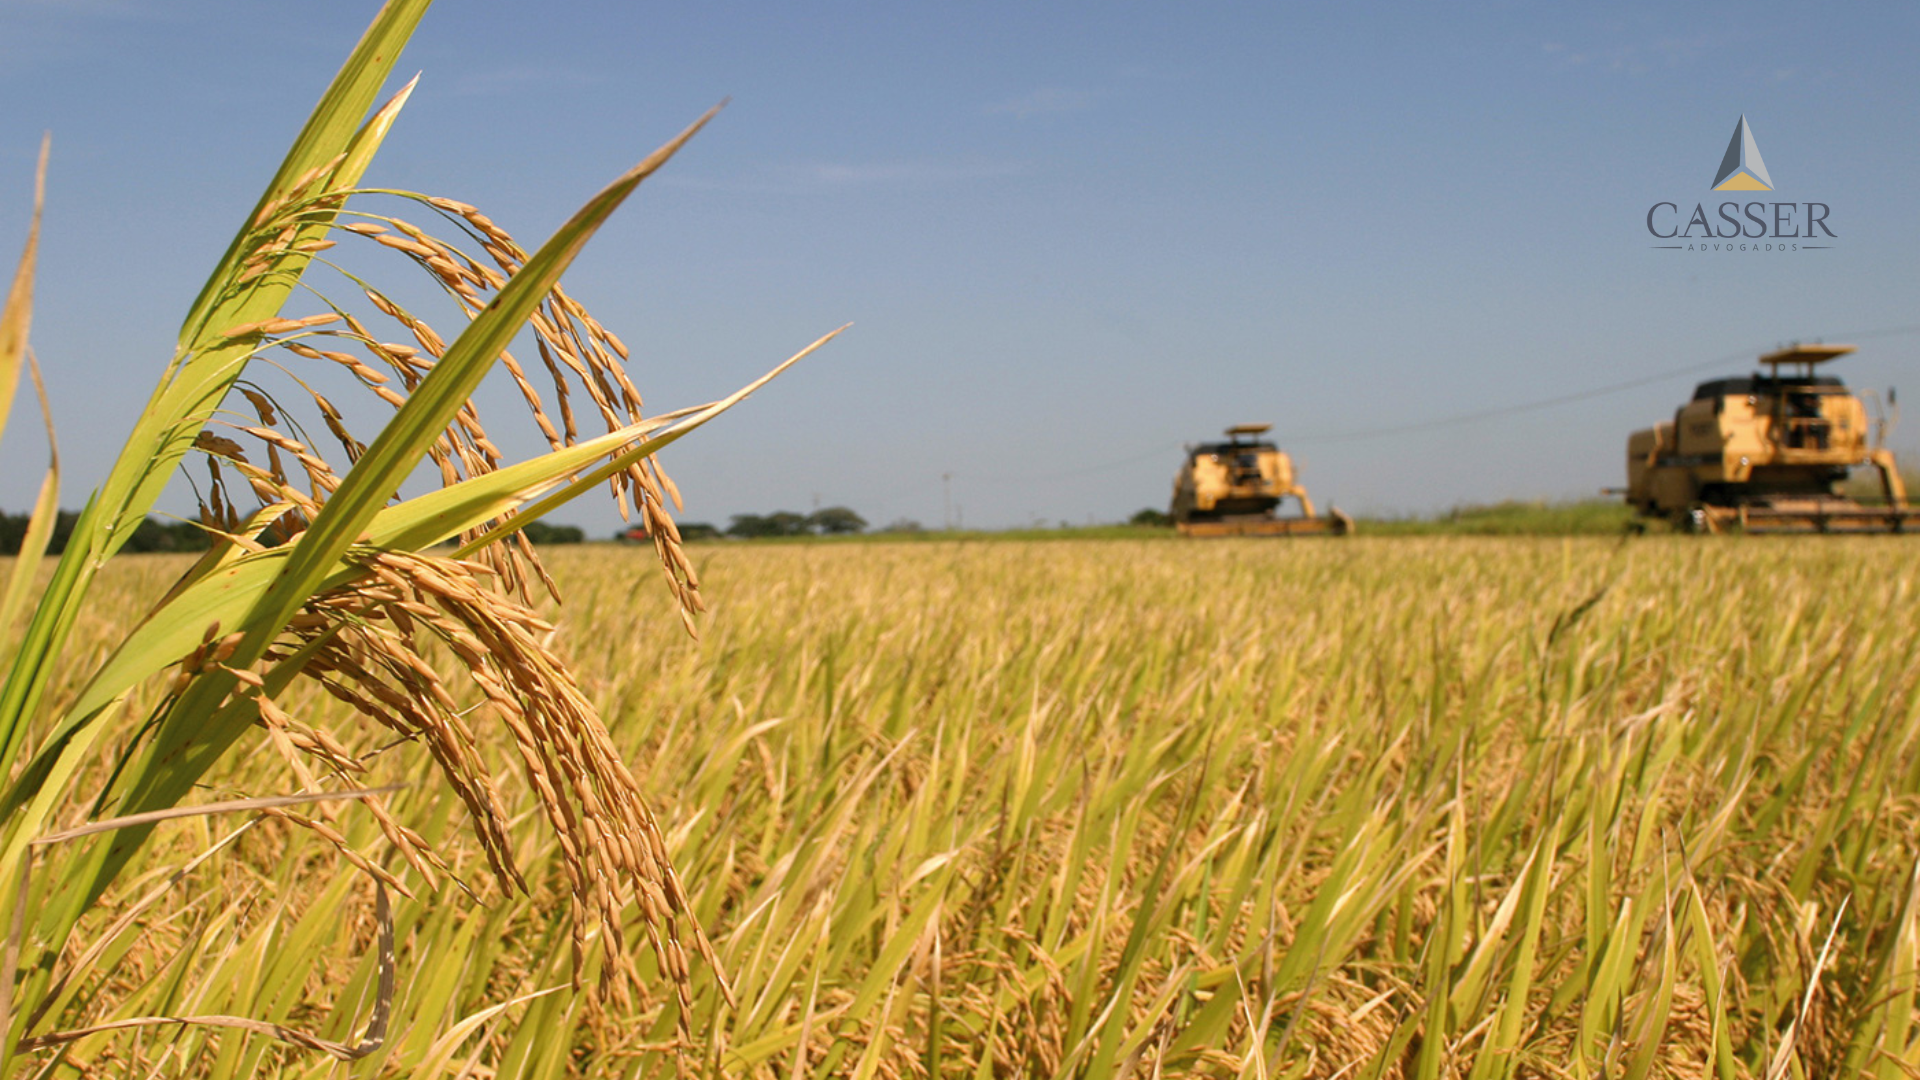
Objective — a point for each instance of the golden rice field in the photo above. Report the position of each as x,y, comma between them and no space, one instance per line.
1439,807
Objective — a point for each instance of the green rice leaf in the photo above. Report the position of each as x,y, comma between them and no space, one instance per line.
17,316
46,511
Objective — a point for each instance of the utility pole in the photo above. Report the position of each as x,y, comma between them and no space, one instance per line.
946,501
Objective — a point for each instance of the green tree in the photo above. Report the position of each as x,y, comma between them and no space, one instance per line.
778,523
836,520
541,532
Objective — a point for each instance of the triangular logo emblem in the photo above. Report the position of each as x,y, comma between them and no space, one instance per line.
1742,169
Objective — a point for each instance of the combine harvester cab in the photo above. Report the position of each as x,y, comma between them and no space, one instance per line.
1766,453
1232,488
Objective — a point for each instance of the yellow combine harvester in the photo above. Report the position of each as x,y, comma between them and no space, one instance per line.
1232,488
1766,453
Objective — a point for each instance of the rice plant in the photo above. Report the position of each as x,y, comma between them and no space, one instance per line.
321,572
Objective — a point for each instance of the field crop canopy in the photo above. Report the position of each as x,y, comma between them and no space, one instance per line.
1397,807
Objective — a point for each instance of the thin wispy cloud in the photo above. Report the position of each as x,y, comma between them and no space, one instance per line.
1046,101
897,173
521,78
120,8
1635,57
830,176
38,34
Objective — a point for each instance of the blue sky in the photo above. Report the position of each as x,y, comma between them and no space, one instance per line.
1070,237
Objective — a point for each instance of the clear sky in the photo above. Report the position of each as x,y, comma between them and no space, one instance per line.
1070,236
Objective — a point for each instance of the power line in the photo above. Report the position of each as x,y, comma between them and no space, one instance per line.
1566,399
1159,451
1509,410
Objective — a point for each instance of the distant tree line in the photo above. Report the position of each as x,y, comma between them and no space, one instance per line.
152,534
159,534
541,532
831,521
636,533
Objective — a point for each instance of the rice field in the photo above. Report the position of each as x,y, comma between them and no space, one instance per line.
1427,807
